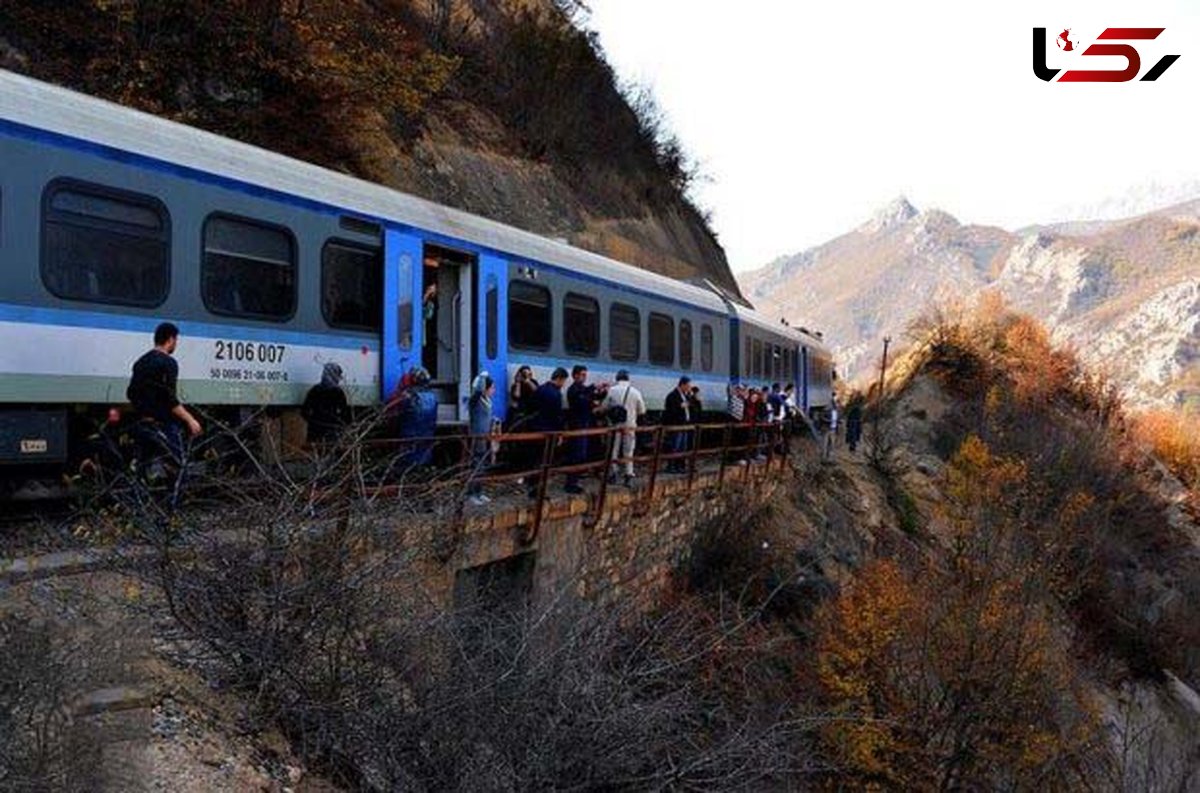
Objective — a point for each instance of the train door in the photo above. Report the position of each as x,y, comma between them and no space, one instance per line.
491,320
401,330
446,314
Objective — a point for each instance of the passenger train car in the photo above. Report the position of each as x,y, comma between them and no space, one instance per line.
112,220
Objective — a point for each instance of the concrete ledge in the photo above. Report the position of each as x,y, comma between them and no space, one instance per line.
112,700
50,565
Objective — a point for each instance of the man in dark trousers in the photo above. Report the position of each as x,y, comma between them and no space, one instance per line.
854,422
581,415
548,415
152,392
677,413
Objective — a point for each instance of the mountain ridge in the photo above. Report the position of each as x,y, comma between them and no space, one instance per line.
1123,292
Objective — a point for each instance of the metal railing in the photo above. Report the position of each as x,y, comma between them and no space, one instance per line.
533,459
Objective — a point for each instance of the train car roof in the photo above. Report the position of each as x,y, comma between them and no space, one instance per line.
48,107
763,322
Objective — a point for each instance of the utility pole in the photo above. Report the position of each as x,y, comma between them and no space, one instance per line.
882,373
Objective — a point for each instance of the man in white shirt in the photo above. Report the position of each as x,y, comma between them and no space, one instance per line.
624,405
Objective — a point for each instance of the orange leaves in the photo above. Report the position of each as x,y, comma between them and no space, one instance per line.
1175,440
857,645
1038,371
957,673
976,476
861,628
1009,357
946,679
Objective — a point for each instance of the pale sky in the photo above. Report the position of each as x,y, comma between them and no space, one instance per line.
808,115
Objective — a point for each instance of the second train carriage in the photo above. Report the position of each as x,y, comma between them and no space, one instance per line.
112,220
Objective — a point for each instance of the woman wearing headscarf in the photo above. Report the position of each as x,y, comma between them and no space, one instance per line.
483,388
417,408
325,407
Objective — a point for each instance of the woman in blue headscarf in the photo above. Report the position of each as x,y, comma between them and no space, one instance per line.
418,409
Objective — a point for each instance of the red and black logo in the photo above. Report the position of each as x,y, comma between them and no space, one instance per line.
1102,47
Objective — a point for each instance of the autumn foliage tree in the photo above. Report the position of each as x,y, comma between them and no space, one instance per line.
1175,439
958,673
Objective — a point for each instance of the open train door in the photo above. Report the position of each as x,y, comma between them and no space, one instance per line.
401,330
491,319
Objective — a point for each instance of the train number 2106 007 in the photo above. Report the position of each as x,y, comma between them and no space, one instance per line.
249,351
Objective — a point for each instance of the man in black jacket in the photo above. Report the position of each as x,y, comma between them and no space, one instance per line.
152,392
677,413
549,415
582,399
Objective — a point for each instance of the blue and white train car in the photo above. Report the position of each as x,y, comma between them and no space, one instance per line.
112,220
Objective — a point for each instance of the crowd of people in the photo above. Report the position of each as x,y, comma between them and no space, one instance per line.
566,401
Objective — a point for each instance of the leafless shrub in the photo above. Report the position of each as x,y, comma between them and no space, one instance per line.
304,590
42,746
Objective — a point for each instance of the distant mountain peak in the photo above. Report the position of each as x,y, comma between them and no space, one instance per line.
897,212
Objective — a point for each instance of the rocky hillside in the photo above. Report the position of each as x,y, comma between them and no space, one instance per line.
506,109
1126,293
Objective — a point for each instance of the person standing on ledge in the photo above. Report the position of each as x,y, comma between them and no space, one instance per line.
325,407
582,401
677,413
623,407
549,415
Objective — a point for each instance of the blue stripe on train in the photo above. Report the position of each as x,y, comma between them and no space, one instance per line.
98,319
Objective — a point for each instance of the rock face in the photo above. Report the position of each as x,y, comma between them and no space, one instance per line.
471,167
1125,293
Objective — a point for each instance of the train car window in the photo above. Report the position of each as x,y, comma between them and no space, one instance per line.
624,332
581,325
352,286
529,322
776,362
685,344
104,245
706,347
662,340
491,319
758,358
249,269
748,358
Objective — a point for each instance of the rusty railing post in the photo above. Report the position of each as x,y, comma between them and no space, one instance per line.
726,438
658,436
751,451
548,446
696,433
603,494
